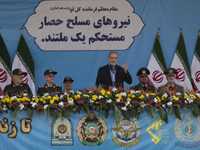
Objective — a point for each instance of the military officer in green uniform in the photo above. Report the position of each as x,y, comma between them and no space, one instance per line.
17,88
143,78
67,83
49,87
171,85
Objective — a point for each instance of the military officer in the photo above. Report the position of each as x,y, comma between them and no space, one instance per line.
17,88
67,83
49,87
143,78
171,85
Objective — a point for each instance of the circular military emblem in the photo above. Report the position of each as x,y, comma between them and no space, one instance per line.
92,130
62,129
126,133
187,130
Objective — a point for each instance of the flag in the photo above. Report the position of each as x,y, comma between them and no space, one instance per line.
195,67
24,61
181,64
5,66
157,65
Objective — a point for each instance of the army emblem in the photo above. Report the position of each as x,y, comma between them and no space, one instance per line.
126,133
187,131
92,130
62,131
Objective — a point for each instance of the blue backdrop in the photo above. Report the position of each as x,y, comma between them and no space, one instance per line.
82,66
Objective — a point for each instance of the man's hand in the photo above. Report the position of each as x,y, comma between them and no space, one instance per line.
125,67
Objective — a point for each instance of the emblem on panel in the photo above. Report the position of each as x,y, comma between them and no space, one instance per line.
62,131
126,133
92,130
187,131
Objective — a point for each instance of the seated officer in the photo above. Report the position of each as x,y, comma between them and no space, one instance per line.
49,87
67,83
17,88
143,78
171,85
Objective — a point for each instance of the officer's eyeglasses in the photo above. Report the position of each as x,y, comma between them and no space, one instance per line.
51,76
143,76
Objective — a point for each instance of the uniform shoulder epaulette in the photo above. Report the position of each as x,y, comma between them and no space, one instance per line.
9,85
41,86
24,83
58,85
179,85
161,86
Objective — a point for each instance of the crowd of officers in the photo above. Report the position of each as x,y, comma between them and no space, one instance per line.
108,76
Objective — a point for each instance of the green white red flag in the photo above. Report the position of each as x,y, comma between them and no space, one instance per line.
5,66
157,64
195,67
24,61
181,64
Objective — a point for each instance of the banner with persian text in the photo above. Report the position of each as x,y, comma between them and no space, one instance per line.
84,25
82,132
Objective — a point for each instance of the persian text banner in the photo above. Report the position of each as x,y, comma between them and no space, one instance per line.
84,25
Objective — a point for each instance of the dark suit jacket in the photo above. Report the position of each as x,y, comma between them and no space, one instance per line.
104,77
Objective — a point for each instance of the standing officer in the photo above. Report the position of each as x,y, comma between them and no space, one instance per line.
49,87
17,88
171,85
143,78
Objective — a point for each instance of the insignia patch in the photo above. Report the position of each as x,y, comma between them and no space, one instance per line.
62,132
92,130
143,71
126,133
187,131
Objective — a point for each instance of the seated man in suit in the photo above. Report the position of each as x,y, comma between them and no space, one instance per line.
49,87
143,78
171,85
112,75
17,88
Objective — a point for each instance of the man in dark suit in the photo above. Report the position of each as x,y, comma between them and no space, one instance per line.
112,75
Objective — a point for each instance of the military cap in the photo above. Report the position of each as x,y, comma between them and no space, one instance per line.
18,72
170,71
142,71
68,79
49,71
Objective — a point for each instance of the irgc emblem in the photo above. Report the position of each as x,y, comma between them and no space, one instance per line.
126,133
62,131
187,131
92,130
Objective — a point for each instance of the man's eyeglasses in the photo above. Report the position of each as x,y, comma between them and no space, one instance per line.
143,76
51,76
